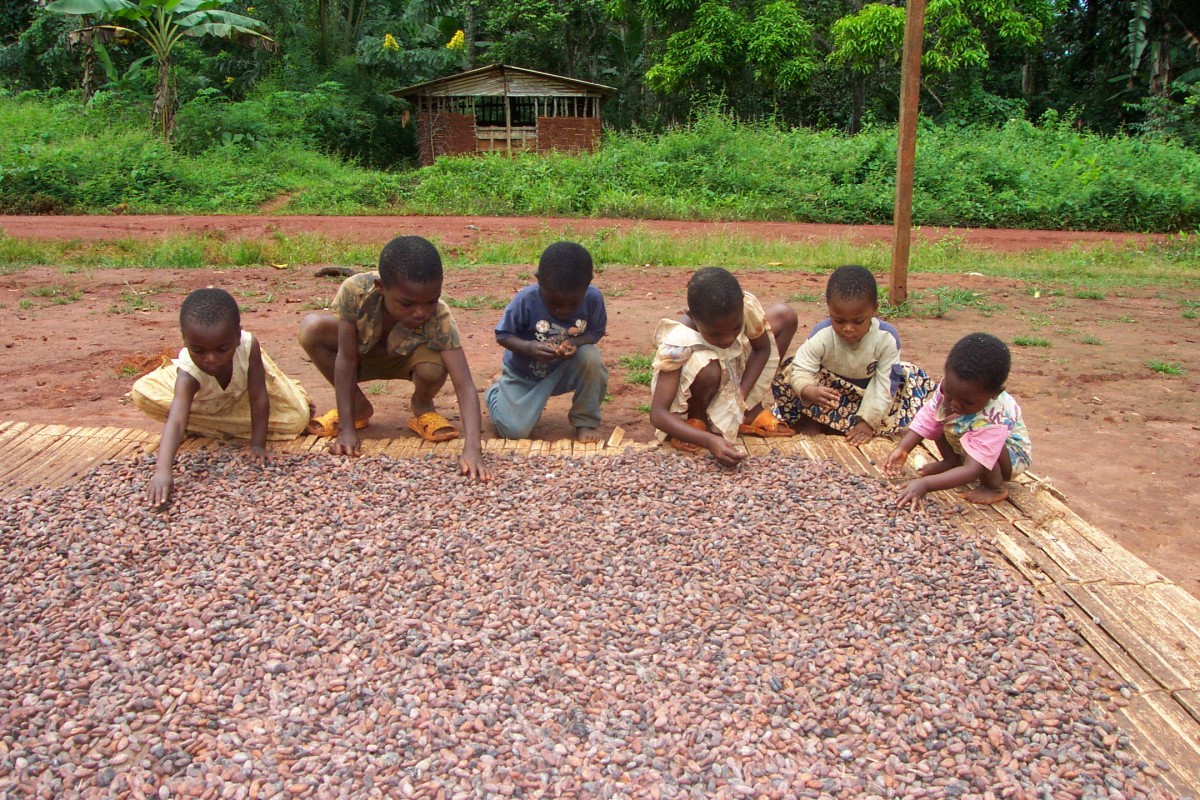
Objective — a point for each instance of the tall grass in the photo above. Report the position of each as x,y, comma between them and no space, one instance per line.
58,156
1092,270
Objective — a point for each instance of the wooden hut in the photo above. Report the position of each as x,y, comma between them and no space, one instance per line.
506,109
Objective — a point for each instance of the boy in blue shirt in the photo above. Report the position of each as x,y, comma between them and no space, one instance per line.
549,331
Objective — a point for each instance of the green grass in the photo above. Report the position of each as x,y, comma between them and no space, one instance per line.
475,301
58,295
1089,294
936,303
1165,367
806,298
131,301
1030,341
640,368
643,408
1088,338
1102,269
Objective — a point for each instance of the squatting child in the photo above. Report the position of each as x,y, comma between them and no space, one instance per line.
222,385
976,424
549,332
393,325
847,376
714,365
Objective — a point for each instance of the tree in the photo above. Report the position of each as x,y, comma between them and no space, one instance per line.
161,24
747,52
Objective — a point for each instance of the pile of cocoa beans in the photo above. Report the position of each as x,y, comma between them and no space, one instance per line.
647,625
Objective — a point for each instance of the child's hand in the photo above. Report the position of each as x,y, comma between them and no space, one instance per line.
472,466
346,443
825,396
567,349
725,453
912,492
895,461
159,490
543,352
860,434
256,454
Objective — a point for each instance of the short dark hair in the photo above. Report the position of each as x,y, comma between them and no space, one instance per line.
208,307
852,282
411,259
713,293
565,266
980,358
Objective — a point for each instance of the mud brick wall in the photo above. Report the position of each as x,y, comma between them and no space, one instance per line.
569,134
444,133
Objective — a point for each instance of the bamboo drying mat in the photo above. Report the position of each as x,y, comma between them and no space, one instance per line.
1145,627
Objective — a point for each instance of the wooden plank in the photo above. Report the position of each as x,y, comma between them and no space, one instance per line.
46,457
1079,559
1165,734
1028,559
1189,700
1138,636
560,447
73,458
616,437
1101,644
754,445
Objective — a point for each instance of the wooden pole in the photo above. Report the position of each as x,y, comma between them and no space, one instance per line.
910,96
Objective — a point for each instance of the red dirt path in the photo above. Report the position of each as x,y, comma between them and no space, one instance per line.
1122,441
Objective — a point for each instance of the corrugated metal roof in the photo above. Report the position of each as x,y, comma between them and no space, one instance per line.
490,81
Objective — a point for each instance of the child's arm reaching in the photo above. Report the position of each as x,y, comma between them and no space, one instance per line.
345,381
970,470
260,404
760,353
895,460
159,489
471,461
672,424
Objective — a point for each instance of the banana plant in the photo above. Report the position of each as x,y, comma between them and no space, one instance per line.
160,24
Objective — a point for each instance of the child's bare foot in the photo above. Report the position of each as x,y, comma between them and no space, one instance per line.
986,495
587,435
935,468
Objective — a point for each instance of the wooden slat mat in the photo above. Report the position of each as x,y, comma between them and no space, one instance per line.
1146,628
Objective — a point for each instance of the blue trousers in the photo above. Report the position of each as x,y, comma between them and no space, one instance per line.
516,403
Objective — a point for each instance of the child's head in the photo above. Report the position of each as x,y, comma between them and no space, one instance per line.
976,371
211,326
716,304
410,279
564,274
852,297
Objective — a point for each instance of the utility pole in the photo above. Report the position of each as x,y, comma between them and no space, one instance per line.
910,97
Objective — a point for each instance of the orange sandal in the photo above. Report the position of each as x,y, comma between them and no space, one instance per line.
326,425
433,427
766,426
689,447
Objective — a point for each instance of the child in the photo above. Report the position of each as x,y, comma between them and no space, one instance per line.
714,365
848,376
393,325
550,332
976,424
221,385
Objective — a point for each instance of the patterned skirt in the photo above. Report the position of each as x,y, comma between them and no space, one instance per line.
909,398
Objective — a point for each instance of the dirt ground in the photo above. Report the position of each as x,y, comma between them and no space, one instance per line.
1121,440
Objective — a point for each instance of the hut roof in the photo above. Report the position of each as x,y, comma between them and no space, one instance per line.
502,79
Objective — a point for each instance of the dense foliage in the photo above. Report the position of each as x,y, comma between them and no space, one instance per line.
59,157
1016,95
